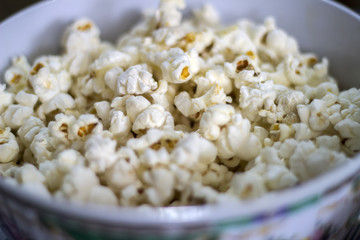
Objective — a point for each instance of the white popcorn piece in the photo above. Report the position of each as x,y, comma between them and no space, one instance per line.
237,140
16,76
61,102
81,41
161,185
103,110
48,77
85,125
155,138
100,153
135,105
201,193
112,76
15,115
206,15
193,149
26,99
29,129
7,98
43,145
120,125
217,176
81,36
9,147
217,74
329,142
159,95
319,119
106,61
120,175
244,70
168,12
213,119
132,195
53,177
303,131
350,131
68,159
154,116
153,158
102,195
78,184
28,173
253,99
136,80
189,106
60,129
177,67
277,44
247,185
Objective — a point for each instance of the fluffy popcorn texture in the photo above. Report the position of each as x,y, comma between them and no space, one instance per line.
176,113
136,80
100,153
9,147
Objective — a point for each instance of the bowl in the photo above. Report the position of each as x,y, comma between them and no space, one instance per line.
327,205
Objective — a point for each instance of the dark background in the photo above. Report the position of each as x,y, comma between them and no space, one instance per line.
9,7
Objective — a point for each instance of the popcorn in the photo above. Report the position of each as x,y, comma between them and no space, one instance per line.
136,80
168,13
26,99
48,77
120,125
161,183
243,70
100,153
60,129
16,76
60,102
188,106
68,159
177,113
135,105
6,98
213,119
16,115
9,147
350,131
237,140
29,130
102,195
247,185
193,149
80,41
177,67
43,146
319,119
120,175
154,116
85,125
78,184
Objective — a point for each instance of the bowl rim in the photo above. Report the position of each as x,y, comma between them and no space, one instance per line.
310,191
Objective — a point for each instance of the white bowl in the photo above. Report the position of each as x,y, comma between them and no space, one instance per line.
327,202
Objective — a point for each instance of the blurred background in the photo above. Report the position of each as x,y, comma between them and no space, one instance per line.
9,7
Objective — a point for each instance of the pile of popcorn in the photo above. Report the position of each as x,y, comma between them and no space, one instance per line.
176,113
